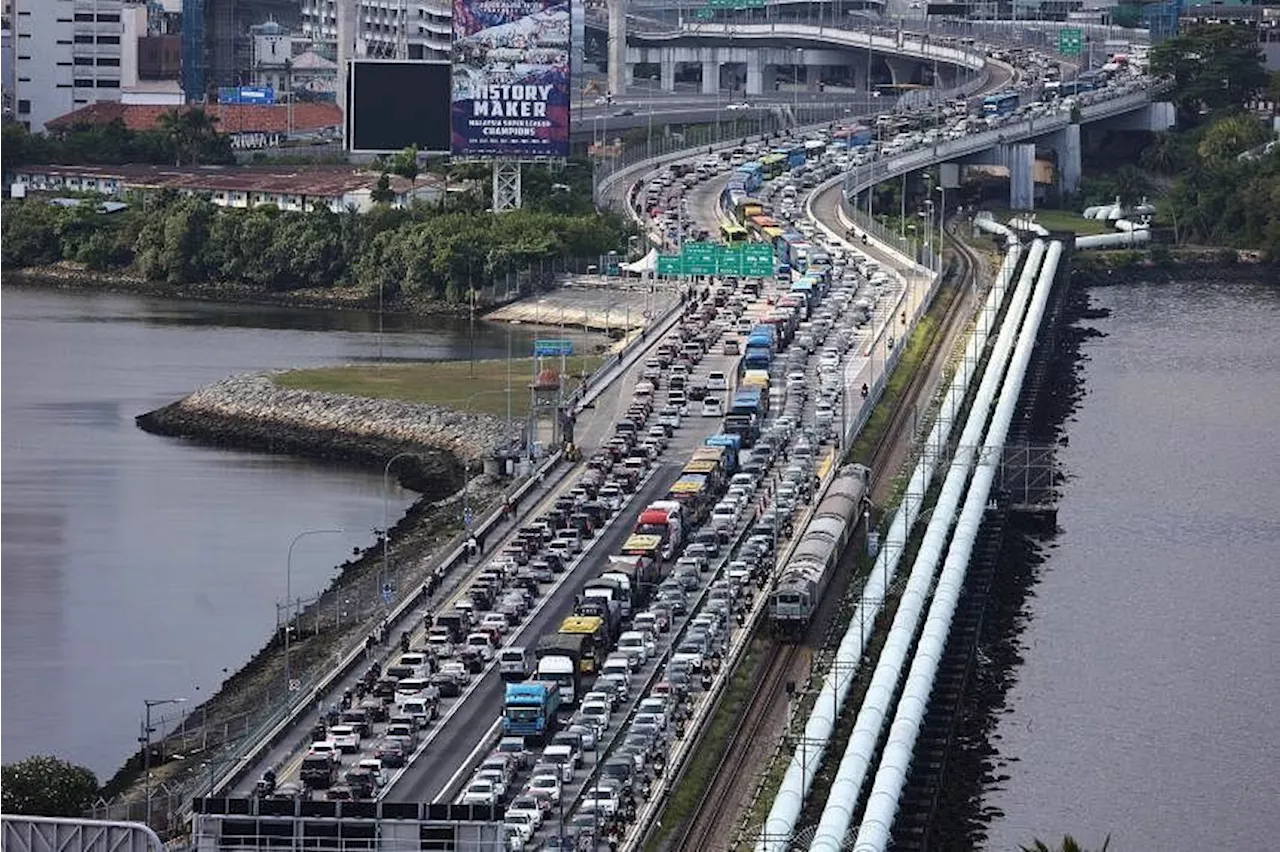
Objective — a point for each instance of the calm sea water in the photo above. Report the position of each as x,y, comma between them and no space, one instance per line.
1146,708
138,567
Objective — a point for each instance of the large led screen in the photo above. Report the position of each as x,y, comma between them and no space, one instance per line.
392,105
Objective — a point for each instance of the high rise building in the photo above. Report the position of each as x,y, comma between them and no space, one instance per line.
386,29
217,43
67,54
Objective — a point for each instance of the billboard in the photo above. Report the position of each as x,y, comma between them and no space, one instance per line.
394,104
511,82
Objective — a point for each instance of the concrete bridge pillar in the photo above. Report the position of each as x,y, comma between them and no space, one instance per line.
617,46
1021,158
901,69
710,76
1066,145
812,78
755,74
667,71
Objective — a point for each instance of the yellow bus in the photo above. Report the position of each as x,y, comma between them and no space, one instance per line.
731,233
595,647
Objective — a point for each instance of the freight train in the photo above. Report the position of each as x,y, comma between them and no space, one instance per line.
799,589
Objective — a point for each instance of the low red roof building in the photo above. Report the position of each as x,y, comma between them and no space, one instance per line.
288,187
278,119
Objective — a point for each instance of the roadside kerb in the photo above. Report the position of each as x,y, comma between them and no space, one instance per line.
276,728
511,640
639,830
658,672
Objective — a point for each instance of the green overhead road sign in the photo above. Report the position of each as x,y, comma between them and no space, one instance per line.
757,260
699,258
1070,41
705,14
730,260
670,264
753,259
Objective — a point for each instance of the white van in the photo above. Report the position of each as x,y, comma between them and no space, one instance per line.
712,407
515,663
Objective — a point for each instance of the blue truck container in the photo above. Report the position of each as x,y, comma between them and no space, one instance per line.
753,175
756,358
732,445
529,709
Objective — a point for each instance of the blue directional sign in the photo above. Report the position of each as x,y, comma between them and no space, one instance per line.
388,592
552,348
252,95
467,517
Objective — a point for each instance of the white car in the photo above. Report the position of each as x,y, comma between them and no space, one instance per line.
481,644
738,106
656,707
497,621
573,537
439,641
548,785
345,739
326,748
632,643
712,407
596,712
479,793
523,822
374,765
716,380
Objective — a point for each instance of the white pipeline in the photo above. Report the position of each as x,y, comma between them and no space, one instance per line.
877,706
1120,240
785,810
882,804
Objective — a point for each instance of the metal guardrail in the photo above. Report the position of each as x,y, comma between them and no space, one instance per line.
865,176
278,724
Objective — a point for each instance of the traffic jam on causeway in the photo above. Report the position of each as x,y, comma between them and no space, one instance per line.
559,680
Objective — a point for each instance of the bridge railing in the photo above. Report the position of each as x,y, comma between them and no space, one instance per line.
863,177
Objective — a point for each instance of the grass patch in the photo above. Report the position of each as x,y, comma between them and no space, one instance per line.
1061,220
917,350
684,799
461,385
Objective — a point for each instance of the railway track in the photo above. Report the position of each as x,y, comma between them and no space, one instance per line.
890,449
700,833
733,768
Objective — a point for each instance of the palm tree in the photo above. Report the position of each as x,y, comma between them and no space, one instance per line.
1069,844
189,130
1131,185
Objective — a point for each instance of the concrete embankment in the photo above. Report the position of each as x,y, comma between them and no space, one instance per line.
254,413
598,303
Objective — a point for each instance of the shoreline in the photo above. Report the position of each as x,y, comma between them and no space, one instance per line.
250,412
73,277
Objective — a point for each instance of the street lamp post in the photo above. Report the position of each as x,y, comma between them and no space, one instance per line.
288,612
145,739
386,516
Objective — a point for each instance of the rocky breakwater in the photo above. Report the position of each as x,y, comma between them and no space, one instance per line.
252,412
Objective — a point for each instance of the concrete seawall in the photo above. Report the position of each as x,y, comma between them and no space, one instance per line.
252,412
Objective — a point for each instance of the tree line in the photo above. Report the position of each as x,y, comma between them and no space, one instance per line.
1223,188
181,137
184,240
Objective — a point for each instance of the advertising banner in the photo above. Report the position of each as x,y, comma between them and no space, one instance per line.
511,78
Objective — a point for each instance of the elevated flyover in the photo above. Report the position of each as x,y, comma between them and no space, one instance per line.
760,48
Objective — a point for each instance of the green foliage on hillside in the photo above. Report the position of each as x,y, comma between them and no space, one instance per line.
184,240
1217,198
1213,68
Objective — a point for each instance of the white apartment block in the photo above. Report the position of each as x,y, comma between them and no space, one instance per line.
386,29
67,54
